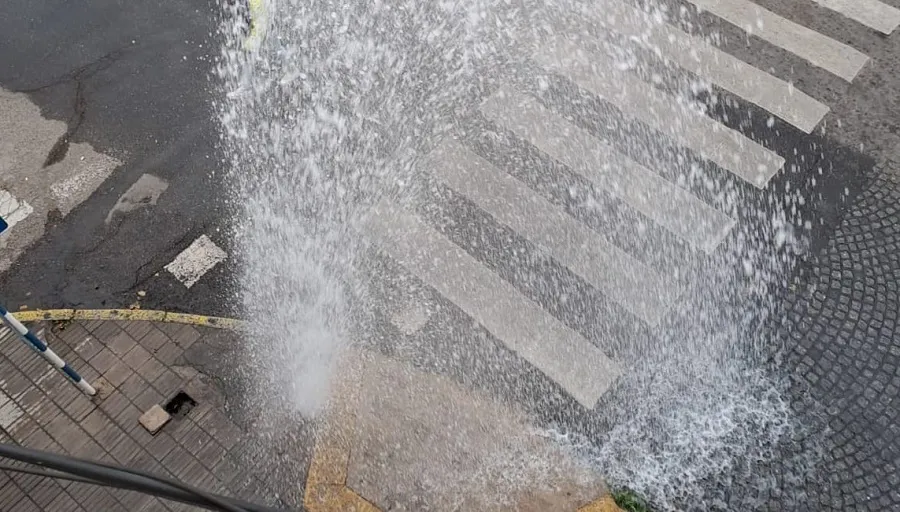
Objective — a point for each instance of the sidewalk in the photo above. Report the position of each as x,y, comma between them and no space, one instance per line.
394,439
144,362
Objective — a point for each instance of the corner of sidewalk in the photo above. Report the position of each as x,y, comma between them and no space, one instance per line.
140,354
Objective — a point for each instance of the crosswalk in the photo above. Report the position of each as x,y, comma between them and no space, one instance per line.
820,50
696,55
870,13
666,204
578,365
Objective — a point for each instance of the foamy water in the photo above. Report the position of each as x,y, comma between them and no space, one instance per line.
326,116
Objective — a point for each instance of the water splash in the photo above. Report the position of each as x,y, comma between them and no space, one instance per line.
326,116
319,122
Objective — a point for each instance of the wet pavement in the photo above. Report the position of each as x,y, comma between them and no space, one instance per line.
840,346
136,87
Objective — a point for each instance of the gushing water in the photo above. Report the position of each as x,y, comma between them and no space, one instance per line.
328,114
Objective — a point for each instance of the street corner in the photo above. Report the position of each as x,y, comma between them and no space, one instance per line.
151,409
397,438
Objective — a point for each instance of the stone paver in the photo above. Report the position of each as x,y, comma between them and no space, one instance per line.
144,365
417,439
401,438
839,344
843,352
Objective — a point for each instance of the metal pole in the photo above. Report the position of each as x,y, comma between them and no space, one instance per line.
34,342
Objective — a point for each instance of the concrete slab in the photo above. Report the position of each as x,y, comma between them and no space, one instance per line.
418,441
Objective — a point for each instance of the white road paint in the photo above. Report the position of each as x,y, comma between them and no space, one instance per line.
84,170
696,55
579,367
600,75
195,261
636,287
12,210
871,13
142,193
32,190
822,51
677,210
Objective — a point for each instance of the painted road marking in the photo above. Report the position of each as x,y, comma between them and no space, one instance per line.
523,326
143,192
675,209
639,289
696,55
195,261
12,210
822,51
871,13
711,140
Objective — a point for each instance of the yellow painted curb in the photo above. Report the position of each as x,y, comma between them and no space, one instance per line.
129,315
604,504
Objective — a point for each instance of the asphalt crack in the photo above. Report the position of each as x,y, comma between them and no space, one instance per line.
79,104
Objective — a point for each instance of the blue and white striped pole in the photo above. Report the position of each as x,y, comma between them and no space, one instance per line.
30,339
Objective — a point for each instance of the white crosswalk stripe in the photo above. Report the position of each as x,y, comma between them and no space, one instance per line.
871,13
523,326
199,258
822,51
696,55
642,291
669,206
600,75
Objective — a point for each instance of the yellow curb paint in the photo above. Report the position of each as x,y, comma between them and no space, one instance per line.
47,314
147,315
118,314
258,24
604,504
231,324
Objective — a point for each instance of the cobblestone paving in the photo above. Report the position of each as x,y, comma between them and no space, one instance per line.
214,446
841,350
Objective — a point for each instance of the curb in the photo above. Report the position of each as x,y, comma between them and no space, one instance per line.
149,315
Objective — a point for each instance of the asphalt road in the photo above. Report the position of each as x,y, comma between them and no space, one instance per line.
134,81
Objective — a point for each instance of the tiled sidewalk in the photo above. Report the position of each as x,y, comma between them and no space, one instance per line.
145,363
